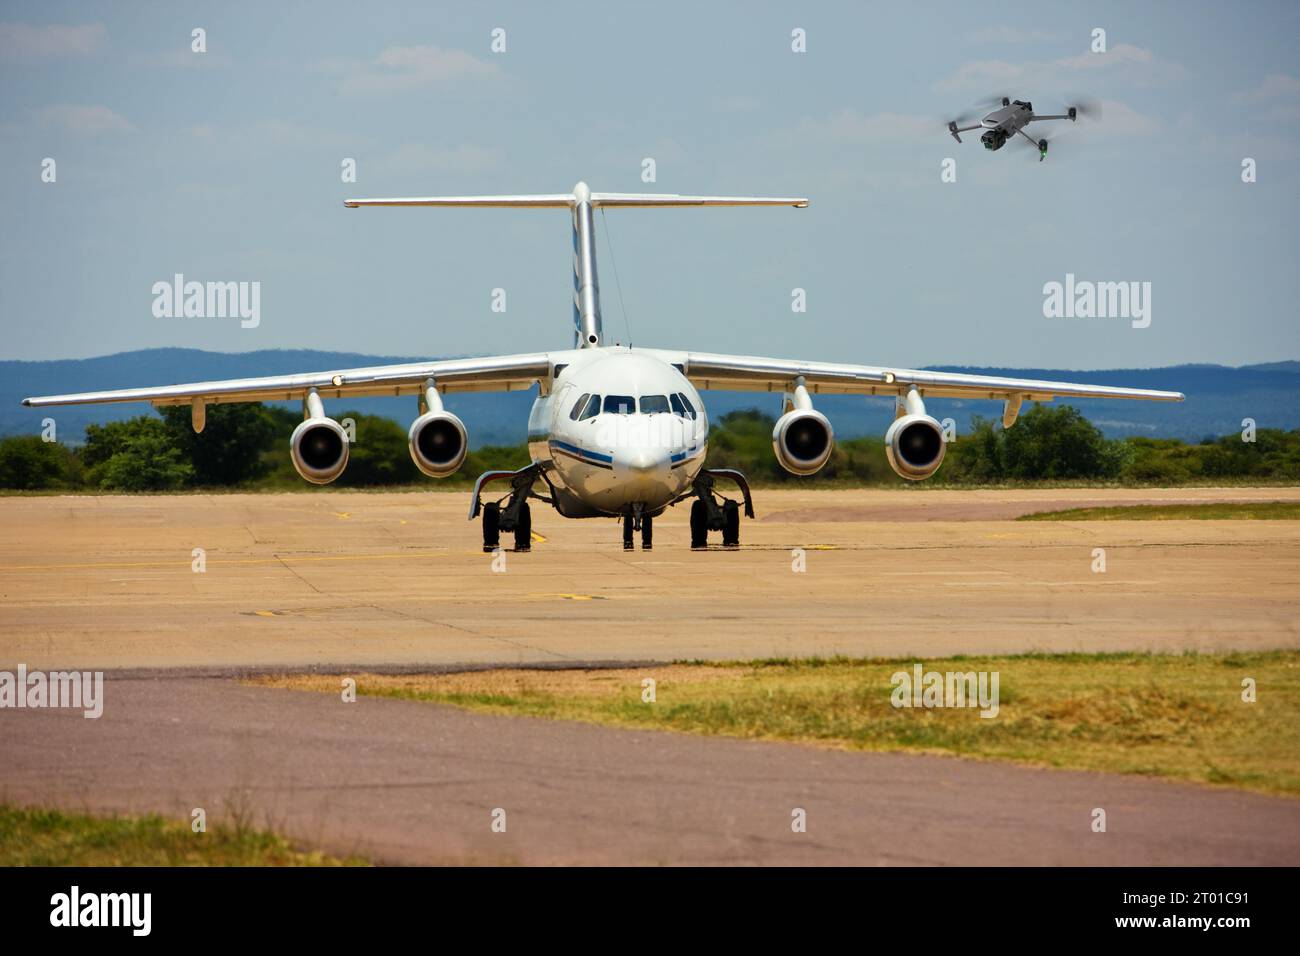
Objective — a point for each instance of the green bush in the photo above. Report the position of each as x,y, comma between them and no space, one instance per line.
229,450
138,454
29,463
379,455
247,445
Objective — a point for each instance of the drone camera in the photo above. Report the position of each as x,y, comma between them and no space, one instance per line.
994,139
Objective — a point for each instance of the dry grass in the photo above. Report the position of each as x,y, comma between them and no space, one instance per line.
1177,716
44,837
1218,511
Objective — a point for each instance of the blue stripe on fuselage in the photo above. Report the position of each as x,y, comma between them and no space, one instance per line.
585,453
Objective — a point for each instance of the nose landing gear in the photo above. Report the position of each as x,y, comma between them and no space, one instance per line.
638,521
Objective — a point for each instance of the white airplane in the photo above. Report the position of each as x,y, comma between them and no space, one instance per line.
614,431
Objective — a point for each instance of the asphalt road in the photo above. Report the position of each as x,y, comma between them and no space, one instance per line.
407,782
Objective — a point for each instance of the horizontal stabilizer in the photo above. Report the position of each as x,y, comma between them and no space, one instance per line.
669,199
560,200
582,194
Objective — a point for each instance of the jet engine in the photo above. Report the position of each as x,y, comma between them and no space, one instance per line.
914,443
319,445
437,439
438,442
803,438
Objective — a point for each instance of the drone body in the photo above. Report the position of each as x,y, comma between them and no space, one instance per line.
1008,120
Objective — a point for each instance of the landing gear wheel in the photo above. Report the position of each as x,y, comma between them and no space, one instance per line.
524,529
647,533
491,526
730,524
699,524
627,533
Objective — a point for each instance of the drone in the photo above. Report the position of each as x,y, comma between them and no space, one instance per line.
1010,119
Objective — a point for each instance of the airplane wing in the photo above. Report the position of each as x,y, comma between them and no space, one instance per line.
501,373
751,373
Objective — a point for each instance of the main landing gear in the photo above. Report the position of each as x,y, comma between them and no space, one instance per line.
708,513
511,513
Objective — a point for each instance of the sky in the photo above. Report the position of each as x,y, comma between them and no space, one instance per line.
227,166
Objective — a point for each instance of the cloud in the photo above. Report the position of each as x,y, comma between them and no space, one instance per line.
24,41
1275,86
1132,64
84,120
1120,120
402,68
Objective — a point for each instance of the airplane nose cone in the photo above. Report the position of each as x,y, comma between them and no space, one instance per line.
641,462
643,475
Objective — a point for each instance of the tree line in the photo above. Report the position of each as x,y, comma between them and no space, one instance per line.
246,446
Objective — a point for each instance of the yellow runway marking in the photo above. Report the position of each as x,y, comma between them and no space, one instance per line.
537,537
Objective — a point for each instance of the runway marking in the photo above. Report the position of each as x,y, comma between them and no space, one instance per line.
342,515
289,611
1021,581
909,574
537,537
570,597
185,563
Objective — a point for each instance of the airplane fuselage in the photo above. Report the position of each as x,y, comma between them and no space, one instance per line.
618,430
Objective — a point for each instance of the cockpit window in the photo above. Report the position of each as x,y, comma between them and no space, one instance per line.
620,404
682,406
654,404
592,409
578,406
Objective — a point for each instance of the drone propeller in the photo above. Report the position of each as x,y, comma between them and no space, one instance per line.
982,108
1086,107
1036,148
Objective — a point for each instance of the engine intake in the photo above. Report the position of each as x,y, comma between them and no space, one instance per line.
438,443
915,446
803,441
319,448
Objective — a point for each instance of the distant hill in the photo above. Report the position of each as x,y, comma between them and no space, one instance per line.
1218,397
